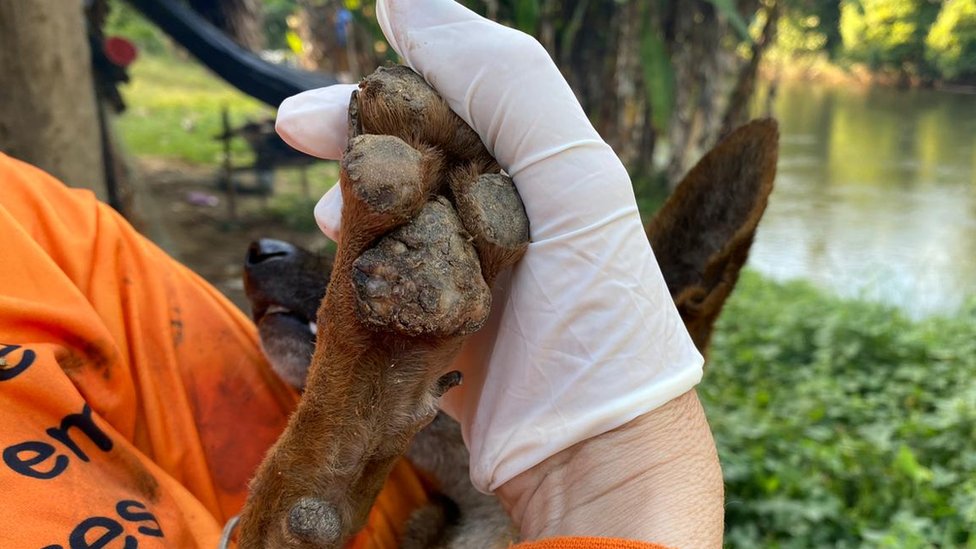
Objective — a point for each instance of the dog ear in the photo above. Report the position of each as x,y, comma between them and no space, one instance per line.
702,234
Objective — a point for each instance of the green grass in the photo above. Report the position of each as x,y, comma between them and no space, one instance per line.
174,110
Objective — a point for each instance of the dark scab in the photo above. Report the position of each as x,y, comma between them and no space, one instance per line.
424,278
69,360
315,521
387,172
79,355
147,485
355,127
494,203
138,478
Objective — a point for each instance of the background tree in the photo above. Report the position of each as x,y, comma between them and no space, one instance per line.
338,37
242,20
951,42
625,59
48,113
887,33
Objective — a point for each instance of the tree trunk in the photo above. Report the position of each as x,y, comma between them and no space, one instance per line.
695,47
598,50
737,112
632,123
711,83
334,42
47,103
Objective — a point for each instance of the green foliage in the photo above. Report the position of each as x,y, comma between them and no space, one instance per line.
276,13
883,33
658,74
799,34
527,15
951,42
927,38
294,42
825,16
841,423
124,20
293,211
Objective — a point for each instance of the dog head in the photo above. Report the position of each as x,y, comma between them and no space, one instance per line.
285,284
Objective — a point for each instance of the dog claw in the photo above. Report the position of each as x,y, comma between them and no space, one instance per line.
448,381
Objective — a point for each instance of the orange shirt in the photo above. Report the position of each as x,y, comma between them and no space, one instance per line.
136,402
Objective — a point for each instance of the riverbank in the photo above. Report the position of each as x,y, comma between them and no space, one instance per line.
875,195
819,70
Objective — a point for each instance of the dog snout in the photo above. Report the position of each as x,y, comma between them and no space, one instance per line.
268,249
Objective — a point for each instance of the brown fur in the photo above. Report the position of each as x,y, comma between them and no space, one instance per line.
702,234
397,101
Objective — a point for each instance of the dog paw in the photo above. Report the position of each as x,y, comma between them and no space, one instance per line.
423,278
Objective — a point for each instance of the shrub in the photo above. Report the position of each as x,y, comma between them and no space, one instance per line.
951,42
885,33
842,423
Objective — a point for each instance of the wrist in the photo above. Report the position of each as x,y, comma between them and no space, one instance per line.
655,479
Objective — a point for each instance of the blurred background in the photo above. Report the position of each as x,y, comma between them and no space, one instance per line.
842,380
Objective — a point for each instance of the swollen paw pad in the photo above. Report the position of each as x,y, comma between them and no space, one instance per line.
386,174
423,278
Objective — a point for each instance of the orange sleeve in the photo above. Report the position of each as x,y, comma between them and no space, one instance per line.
587,543
135,398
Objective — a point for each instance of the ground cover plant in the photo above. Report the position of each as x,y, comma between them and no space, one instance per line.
840,423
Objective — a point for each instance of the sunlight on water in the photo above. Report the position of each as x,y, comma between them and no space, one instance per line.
875,196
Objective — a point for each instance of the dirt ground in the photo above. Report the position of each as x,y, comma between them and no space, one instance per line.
181,208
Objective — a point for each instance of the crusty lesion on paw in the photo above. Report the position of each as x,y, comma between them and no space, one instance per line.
423,278
315,521
385,182
492,211
428,222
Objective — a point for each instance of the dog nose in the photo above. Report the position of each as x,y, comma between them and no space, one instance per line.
268,249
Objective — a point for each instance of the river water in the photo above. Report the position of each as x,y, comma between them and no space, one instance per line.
875,195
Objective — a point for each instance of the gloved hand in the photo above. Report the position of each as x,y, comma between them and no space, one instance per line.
583,336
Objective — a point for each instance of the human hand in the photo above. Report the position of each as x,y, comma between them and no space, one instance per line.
584,336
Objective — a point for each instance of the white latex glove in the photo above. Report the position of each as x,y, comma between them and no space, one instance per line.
583,336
